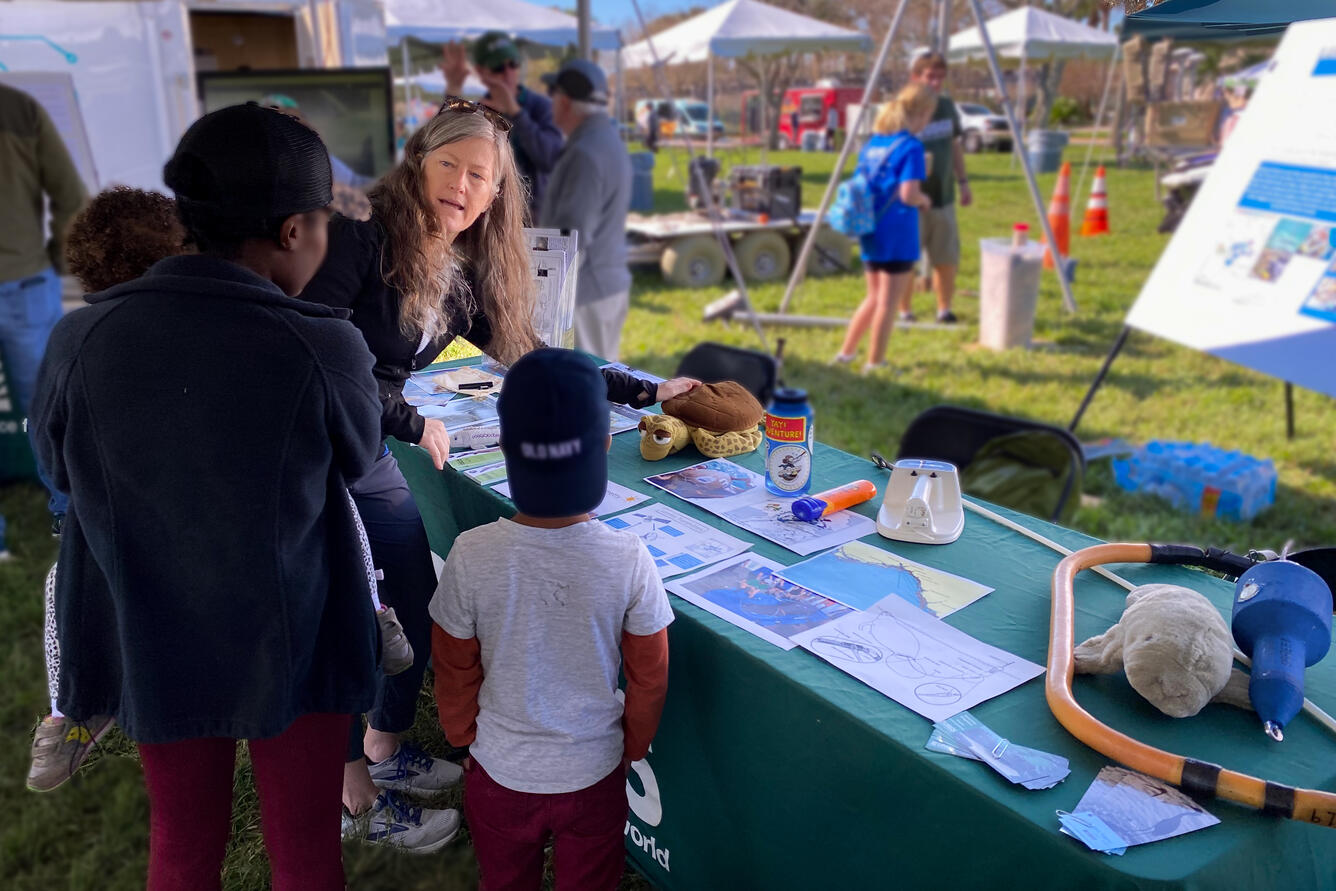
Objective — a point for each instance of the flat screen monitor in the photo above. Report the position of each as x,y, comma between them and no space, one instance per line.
350,108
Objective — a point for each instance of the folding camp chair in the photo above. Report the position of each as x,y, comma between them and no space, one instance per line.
714,362
1050,456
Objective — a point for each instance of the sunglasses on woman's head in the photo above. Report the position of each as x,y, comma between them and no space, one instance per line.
466,106
508,65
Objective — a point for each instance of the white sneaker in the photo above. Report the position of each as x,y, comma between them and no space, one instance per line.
393,821
412,770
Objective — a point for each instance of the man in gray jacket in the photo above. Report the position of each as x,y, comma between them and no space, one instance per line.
590,191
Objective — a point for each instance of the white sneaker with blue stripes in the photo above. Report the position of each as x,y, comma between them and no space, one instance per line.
412,770
396,822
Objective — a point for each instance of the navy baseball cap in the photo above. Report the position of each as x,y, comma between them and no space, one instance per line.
554,433
580,79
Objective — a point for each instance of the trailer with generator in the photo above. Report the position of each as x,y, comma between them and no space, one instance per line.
761,214
688,252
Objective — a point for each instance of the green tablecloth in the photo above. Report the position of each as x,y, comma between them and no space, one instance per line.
16,461
772,769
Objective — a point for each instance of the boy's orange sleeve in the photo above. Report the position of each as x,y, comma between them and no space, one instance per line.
645,663
458,667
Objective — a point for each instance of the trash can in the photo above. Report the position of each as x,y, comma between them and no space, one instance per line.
1008,292
814,140
642,182
1045,149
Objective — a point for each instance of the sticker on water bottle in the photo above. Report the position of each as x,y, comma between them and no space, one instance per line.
789,467
783,429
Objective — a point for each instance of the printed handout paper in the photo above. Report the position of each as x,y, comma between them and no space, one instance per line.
739,495
917,659
676,542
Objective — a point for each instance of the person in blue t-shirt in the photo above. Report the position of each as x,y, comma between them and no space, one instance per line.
892,163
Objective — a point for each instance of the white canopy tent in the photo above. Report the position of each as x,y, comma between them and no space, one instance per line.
442,21
737,29
1030,33
1033,33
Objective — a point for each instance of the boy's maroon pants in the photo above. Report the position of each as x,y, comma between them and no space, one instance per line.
510,830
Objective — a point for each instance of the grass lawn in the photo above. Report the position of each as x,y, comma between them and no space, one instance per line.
93,831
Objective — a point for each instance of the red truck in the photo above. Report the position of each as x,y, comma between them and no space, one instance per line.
812,105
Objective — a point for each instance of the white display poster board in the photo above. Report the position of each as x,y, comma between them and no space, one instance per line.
1250,275
131,68
54,91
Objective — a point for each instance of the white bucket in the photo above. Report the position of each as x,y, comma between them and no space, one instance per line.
1008,292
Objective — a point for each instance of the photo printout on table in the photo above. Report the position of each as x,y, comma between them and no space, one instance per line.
463,412
739,496
1123,808
745,591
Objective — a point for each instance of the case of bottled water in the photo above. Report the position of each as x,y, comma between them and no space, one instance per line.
1200,477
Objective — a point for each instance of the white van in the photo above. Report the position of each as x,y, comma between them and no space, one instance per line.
685,116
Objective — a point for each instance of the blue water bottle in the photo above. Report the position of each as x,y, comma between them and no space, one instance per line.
788,443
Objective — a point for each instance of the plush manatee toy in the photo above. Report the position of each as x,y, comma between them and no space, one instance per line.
719,418
1175,648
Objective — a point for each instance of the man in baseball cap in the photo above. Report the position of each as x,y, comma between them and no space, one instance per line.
581,80
533,134
591,191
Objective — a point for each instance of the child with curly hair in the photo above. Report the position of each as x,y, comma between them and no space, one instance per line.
120,234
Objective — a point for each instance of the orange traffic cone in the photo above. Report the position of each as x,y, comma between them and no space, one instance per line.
1060,215
1096,220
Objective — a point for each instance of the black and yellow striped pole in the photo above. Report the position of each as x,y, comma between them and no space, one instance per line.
1197,778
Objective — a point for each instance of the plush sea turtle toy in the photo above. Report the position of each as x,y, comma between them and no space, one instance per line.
1175,648
721,419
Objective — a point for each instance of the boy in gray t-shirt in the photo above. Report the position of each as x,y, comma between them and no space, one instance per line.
535,616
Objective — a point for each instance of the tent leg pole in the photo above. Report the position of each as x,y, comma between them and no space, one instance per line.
1099,116
851,129
582,28
1060,261
1289,410
619,105
1099,378
403,60
765,112
709,106
711,209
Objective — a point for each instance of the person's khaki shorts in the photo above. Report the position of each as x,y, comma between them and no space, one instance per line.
939,236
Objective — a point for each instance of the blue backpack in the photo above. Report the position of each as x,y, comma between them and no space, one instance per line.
853,211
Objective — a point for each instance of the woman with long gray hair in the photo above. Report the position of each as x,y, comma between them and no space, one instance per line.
443,256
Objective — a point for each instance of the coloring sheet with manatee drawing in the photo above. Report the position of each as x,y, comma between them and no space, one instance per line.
917,659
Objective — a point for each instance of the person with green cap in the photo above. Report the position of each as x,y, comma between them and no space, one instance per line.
533,134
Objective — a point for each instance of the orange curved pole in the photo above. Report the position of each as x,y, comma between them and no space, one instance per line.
1307,805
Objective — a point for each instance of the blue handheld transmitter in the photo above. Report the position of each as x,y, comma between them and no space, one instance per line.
1282,621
